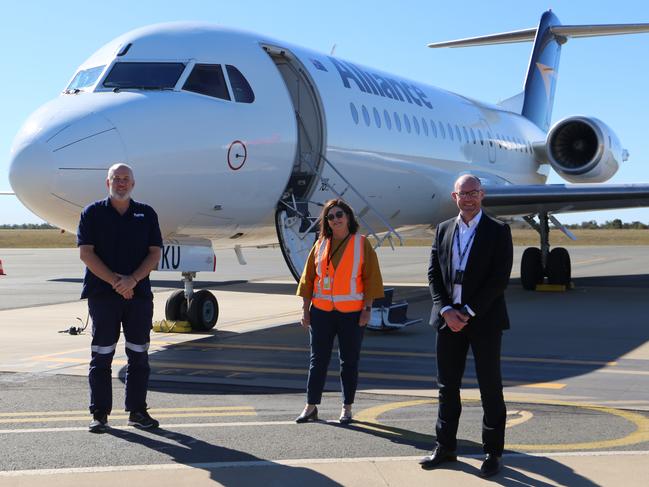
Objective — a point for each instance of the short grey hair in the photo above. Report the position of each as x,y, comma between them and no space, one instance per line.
119,165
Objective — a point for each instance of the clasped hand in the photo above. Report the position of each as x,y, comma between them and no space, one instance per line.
124,286
455,319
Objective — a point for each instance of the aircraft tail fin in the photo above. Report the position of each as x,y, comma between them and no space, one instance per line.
542,71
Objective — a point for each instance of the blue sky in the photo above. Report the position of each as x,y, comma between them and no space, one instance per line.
43,42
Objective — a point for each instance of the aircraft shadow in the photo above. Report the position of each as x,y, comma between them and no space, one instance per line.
189,450
554,336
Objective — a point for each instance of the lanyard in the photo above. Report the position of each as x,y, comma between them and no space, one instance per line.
462,253
331,254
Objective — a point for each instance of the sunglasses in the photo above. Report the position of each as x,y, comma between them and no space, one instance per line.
339,214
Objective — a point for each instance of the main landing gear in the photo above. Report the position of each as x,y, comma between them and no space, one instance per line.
199,308
537,264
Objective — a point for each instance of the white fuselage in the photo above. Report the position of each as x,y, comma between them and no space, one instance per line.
377,131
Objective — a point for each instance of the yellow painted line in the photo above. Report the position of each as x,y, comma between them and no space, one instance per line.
520,417
153,410
124,416
386,353
167,368
368,419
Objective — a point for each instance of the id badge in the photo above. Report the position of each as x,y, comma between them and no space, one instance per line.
459,276
326,283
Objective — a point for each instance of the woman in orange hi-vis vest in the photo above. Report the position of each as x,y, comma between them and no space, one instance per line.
340,280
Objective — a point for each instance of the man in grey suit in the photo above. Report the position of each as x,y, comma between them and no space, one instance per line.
470,264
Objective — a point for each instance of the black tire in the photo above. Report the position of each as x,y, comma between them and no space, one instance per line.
531,268
558,268
203,310
176,306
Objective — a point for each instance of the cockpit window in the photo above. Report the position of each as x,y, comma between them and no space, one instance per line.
144,76
240,87
207,79
85,78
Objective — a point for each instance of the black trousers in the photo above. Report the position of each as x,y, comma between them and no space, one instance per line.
325,326
110,313
452,349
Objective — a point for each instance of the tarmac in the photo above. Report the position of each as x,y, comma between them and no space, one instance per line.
257,338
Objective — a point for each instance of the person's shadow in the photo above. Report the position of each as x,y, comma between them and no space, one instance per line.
218,461
544,467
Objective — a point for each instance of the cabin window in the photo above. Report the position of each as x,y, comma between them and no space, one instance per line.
472,135
144,76
354,111
388,120
85,78
406,122
441,130
377,118
366,116
450,131
240,88
458,134
415,122
397,121
433,128
424,125
207,79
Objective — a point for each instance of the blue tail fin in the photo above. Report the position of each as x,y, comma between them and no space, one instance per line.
542,73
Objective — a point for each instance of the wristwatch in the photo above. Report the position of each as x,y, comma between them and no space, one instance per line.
368,308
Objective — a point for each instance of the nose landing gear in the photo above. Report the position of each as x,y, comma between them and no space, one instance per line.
200,308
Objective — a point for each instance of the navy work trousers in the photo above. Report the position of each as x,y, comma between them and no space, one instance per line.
451,350
109,313
325,326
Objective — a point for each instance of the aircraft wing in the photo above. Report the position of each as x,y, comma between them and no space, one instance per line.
516,200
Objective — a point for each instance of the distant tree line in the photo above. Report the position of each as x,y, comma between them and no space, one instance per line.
616,224
28,226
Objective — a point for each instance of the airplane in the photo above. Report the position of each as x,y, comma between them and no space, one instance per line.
238,139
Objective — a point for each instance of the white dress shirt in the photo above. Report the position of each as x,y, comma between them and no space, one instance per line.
465,233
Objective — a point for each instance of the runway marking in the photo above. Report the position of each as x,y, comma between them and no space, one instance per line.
300,462
193,412
368,418
168,368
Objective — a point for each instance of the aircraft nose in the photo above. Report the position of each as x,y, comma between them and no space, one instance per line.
31,175
59,163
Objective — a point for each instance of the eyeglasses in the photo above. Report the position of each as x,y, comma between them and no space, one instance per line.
339,214
468,194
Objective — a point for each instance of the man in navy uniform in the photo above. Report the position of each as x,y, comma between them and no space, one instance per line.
119,241
469,268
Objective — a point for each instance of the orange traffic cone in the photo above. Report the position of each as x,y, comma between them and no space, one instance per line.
2,272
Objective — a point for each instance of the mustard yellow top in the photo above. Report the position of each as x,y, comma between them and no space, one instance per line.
370,272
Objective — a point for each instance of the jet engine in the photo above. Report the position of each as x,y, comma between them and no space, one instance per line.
584,150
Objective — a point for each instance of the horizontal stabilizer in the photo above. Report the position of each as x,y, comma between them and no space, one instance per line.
7,193
513,104
513,200
527,35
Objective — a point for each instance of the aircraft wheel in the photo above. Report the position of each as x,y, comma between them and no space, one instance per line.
531,268
558,268
203,310
176,306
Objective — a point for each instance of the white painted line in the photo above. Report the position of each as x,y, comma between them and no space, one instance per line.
292,462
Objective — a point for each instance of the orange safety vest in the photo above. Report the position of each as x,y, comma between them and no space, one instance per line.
345,290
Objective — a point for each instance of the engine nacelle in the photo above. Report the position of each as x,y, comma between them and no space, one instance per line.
584,150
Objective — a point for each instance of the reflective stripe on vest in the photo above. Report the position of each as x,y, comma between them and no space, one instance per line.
346,285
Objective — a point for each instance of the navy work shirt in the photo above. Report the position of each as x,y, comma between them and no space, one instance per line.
121,241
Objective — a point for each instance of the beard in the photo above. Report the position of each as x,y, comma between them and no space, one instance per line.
116,196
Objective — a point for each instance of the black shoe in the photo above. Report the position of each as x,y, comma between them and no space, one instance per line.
312,416
142,419
437,457
491,466
99,423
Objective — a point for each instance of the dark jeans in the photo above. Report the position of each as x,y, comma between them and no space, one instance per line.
325,325
452,349
109,313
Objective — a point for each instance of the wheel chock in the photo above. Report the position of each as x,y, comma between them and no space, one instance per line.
169,326
554,288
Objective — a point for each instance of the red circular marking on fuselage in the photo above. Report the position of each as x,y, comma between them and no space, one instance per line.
237,145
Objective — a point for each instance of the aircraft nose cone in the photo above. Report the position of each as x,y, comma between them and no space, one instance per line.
31,175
